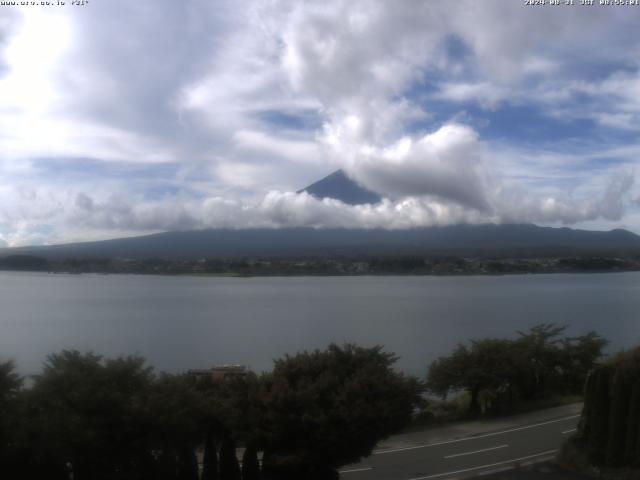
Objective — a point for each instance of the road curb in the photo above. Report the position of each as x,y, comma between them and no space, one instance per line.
507,468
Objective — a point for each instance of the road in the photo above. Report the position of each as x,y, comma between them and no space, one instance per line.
526,439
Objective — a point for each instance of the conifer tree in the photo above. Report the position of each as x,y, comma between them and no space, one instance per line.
187,465
166,465
229,467
210,460
250,464
618,411
599,420
632,443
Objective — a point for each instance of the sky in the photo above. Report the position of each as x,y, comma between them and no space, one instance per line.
122,118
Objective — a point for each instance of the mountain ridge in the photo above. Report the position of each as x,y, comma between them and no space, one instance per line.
463,239
485,239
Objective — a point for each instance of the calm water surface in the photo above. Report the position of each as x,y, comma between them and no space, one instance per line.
186,322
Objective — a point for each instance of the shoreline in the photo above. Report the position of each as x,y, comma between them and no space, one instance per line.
323,274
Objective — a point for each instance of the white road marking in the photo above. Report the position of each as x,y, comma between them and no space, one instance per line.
569,431
548,452
477,451
485,435
365,469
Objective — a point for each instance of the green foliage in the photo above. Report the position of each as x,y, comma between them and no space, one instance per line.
108,419
10,387
539,359
484,366
578,357
496,373
210,459
618,411
179,411
610,425
92,413
187,464
250,464
229,467
632,440
599,415
328,408
448,373
10,383
240,407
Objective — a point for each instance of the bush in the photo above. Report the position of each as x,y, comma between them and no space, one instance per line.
610,426
325,409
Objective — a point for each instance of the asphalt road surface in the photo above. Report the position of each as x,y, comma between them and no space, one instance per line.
467,456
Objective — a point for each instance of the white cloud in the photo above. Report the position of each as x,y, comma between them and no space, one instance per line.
188,88
447,164
487,94
261,143
112,215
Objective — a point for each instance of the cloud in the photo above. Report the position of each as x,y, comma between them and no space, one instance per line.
447,164
132,117
119,215
486,94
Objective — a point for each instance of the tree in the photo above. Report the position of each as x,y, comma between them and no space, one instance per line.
448,373
10,389
609,431
618,416
10,383
210,459
325,409
181,420
535,364
579,356
91,413
484,366
538,356
187,464
239,408
250,464
229,467
632,450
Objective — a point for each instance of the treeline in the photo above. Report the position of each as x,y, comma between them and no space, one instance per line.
327,265
90,418
499,373
609,431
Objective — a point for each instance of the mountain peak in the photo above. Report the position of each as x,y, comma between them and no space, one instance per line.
339,186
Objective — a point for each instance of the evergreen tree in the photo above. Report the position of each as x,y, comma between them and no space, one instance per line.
599,420
187,464
10,388
610,424
632,443
250,464
229,467
589,392
166,465
618,411
210,460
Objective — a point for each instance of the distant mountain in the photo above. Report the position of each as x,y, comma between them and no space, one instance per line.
339,186
472,240
465,240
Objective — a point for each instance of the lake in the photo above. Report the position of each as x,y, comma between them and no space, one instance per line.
181,322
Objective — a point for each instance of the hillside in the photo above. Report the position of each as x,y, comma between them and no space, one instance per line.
513,240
